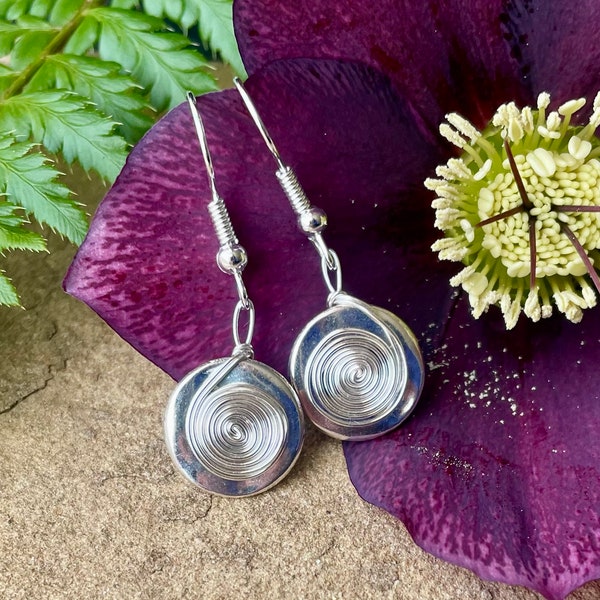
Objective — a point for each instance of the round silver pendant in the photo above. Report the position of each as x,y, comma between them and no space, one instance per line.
357,369
234,427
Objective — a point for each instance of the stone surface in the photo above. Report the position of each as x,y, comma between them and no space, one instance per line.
91,506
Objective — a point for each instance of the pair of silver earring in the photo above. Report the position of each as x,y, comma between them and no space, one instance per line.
234,426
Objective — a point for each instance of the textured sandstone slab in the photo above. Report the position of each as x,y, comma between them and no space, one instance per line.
90,505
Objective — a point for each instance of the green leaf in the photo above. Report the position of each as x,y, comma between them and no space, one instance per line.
115,94
11,32
63,11
16,8
40,8
28,47
184,13
172,9
7,77
84,37
13,234
59,11
159,60
62,121
8,294
125,3
215,24
30,182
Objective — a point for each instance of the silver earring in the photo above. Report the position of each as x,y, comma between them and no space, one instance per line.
357,368
233,426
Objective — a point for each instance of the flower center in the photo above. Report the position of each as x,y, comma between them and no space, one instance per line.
521,210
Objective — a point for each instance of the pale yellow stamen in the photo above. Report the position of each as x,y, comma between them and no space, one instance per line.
463,126
452,136
487,165
578,148
571,106
543,100
542,162
489,222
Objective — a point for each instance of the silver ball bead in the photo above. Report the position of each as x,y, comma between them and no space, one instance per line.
232,258
313,220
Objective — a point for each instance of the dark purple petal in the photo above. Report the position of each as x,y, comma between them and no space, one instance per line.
509,489
443,56
555,44
499,468
148,264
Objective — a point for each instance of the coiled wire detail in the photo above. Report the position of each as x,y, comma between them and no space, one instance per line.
234,426
236,431
353,376
357,369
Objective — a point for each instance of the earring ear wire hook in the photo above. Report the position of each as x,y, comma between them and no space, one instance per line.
311,219
259,122
232,257
201,132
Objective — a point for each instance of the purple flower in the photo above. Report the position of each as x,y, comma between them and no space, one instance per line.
498,468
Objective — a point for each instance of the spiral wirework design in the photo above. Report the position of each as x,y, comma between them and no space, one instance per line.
357,369
293,190
353,375
236,431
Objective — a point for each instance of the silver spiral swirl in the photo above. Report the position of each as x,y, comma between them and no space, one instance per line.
237,431
234,426
357,369
352,375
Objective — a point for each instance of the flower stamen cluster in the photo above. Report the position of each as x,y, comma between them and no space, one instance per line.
521,210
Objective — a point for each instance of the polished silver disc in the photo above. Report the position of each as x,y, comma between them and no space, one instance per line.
357,369
234,427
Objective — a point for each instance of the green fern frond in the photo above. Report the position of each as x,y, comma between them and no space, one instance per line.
30,185
13,234
34,37
60,12
30,181
125,3
83,79
161,61
214,21
8,293
113,93
27,29
215,27
63,122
